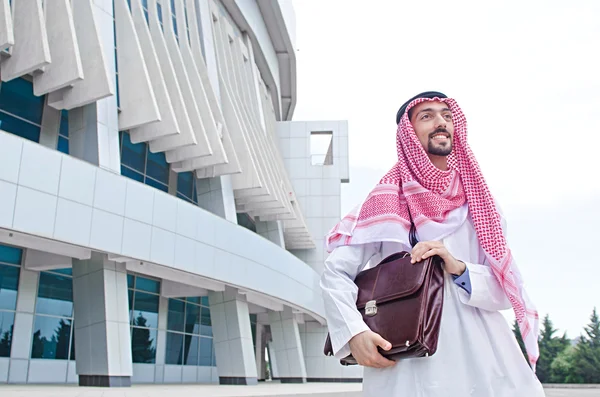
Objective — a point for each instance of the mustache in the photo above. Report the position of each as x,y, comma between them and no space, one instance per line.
439,130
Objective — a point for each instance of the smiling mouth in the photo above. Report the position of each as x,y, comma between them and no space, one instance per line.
440,137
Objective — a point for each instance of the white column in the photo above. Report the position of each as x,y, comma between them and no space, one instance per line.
161,340
287,346
102,336
216,195
232,337
94,128
23,326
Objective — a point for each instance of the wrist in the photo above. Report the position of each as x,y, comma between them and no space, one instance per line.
460,267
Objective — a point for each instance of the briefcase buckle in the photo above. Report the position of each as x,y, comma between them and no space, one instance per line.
371,308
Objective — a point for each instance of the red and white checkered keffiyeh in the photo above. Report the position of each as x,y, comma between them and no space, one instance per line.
438,202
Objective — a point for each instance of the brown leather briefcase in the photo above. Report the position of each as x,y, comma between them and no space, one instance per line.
403,303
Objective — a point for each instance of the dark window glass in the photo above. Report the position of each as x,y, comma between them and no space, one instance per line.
63,145
10,255
204,301
51,338
157,167
174,351
193,299
143,345
159,12
185,185
68,271
130,299
192,318
145,310
206,352
64,123
148,285
16,97
9,284
19,127
7,320
205,323
129,173
192,343
55,295
130,280
133,155
176,315
72,356
157,185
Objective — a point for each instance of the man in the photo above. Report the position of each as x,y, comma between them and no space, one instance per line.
438,181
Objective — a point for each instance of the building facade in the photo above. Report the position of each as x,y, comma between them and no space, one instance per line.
161,216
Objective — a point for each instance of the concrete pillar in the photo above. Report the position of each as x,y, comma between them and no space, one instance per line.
272,231
102,336
50,126
232,338
216,195
23,326
259,351
287,346
161,340
94,128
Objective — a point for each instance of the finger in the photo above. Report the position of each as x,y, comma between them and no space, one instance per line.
384,344
382,362
432,252
418,256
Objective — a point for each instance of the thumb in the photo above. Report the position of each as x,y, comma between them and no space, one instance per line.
384,344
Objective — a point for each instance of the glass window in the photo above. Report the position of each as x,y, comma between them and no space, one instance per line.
16,98
63,133
192,318
176,315
186,187
143,311
7,320
138,163
51,338
143,345
174,348
55,295
9,283
189,336
145,307
206,353
133,155
19,127
53,325
191,346
10,255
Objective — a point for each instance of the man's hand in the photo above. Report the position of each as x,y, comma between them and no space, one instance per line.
427,249
364,349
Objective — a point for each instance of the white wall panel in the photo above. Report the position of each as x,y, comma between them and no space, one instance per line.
97,83
7,35
168,124
31,50
203,147
186,134
66,67
136,96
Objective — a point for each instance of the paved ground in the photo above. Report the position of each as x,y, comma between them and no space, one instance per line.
262,390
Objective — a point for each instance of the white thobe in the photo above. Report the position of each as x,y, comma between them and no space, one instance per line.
477,356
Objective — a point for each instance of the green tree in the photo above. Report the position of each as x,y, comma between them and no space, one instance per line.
587,353
142,349
517,332
562,369
5,343
550,347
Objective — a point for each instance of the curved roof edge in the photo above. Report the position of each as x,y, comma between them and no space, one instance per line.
278,19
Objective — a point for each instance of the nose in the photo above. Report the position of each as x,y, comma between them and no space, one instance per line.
440,121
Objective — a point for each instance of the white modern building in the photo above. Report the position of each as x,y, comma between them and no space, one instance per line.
161,216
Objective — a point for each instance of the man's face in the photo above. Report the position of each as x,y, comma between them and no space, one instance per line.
432,122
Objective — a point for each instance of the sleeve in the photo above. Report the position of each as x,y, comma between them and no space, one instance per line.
463,281
486,292
340,293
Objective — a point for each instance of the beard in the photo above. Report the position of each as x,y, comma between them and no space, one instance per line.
439,149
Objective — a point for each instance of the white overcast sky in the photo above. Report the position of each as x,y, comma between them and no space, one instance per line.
526,74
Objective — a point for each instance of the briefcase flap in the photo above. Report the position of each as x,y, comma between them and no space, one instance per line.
394,278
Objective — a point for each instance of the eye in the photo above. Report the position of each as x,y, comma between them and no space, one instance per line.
448,117
425,116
